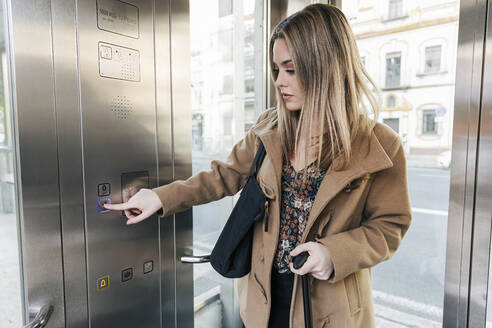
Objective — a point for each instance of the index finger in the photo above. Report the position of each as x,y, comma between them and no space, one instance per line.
118,207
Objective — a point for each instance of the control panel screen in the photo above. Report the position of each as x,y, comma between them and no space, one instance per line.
132,182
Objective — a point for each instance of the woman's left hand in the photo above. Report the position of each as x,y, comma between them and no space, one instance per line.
319,262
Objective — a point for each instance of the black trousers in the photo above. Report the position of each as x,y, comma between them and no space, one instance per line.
282,287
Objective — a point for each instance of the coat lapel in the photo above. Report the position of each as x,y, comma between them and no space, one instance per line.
368,156
271,141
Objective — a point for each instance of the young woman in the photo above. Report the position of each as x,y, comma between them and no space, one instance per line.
335,179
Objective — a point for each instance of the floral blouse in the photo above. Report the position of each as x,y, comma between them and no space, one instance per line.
297,200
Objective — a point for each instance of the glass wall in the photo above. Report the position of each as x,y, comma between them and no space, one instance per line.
223,46
10,278
409,49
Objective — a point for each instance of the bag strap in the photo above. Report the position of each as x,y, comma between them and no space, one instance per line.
260,154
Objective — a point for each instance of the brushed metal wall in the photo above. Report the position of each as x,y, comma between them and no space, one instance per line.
36,164
462,200
482,228
118,128
68,130
94,91
182,160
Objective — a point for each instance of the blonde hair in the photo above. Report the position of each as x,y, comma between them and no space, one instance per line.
329,70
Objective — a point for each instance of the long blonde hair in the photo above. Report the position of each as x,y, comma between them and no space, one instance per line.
329,70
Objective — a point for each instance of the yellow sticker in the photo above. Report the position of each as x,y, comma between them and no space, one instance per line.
102,283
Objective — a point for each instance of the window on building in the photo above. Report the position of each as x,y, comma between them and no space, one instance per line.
249,63
225,8
393,69
391,102
227,125
226,39
395,9
227,85
393,123
3,116
249,85
197,97
429,125
432,59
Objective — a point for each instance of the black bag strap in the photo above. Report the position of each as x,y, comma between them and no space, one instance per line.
306,299
260,154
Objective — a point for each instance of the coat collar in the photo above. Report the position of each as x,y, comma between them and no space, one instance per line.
368,156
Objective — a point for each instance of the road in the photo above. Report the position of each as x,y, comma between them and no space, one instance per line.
415,274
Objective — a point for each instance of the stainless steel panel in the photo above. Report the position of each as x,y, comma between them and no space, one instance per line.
118,136
36,154
483,206
162,44
70,161
181,118
463,165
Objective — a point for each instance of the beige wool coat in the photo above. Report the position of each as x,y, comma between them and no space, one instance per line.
360,213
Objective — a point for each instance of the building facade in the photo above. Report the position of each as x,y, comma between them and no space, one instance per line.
409,49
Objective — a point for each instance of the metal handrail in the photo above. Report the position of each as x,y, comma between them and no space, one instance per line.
41,318
195,259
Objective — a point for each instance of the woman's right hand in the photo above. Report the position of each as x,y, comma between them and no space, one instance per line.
144,203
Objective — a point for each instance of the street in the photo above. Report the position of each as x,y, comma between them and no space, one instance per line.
415,274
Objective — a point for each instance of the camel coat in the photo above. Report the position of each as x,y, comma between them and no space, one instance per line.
360,213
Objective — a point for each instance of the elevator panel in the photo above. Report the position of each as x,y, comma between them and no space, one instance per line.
118,118
87,108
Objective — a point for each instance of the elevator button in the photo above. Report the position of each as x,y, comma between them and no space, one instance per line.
127,274
102,283
148,266
104,189
106,52
100,205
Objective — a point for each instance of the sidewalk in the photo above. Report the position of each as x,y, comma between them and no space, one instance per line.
426,161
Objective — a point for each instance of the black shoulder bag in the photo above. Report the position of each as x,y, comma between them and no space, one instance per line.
231,256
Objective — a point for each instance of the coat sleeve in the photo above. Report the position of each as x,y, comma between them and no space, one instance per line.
387,214
225,178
